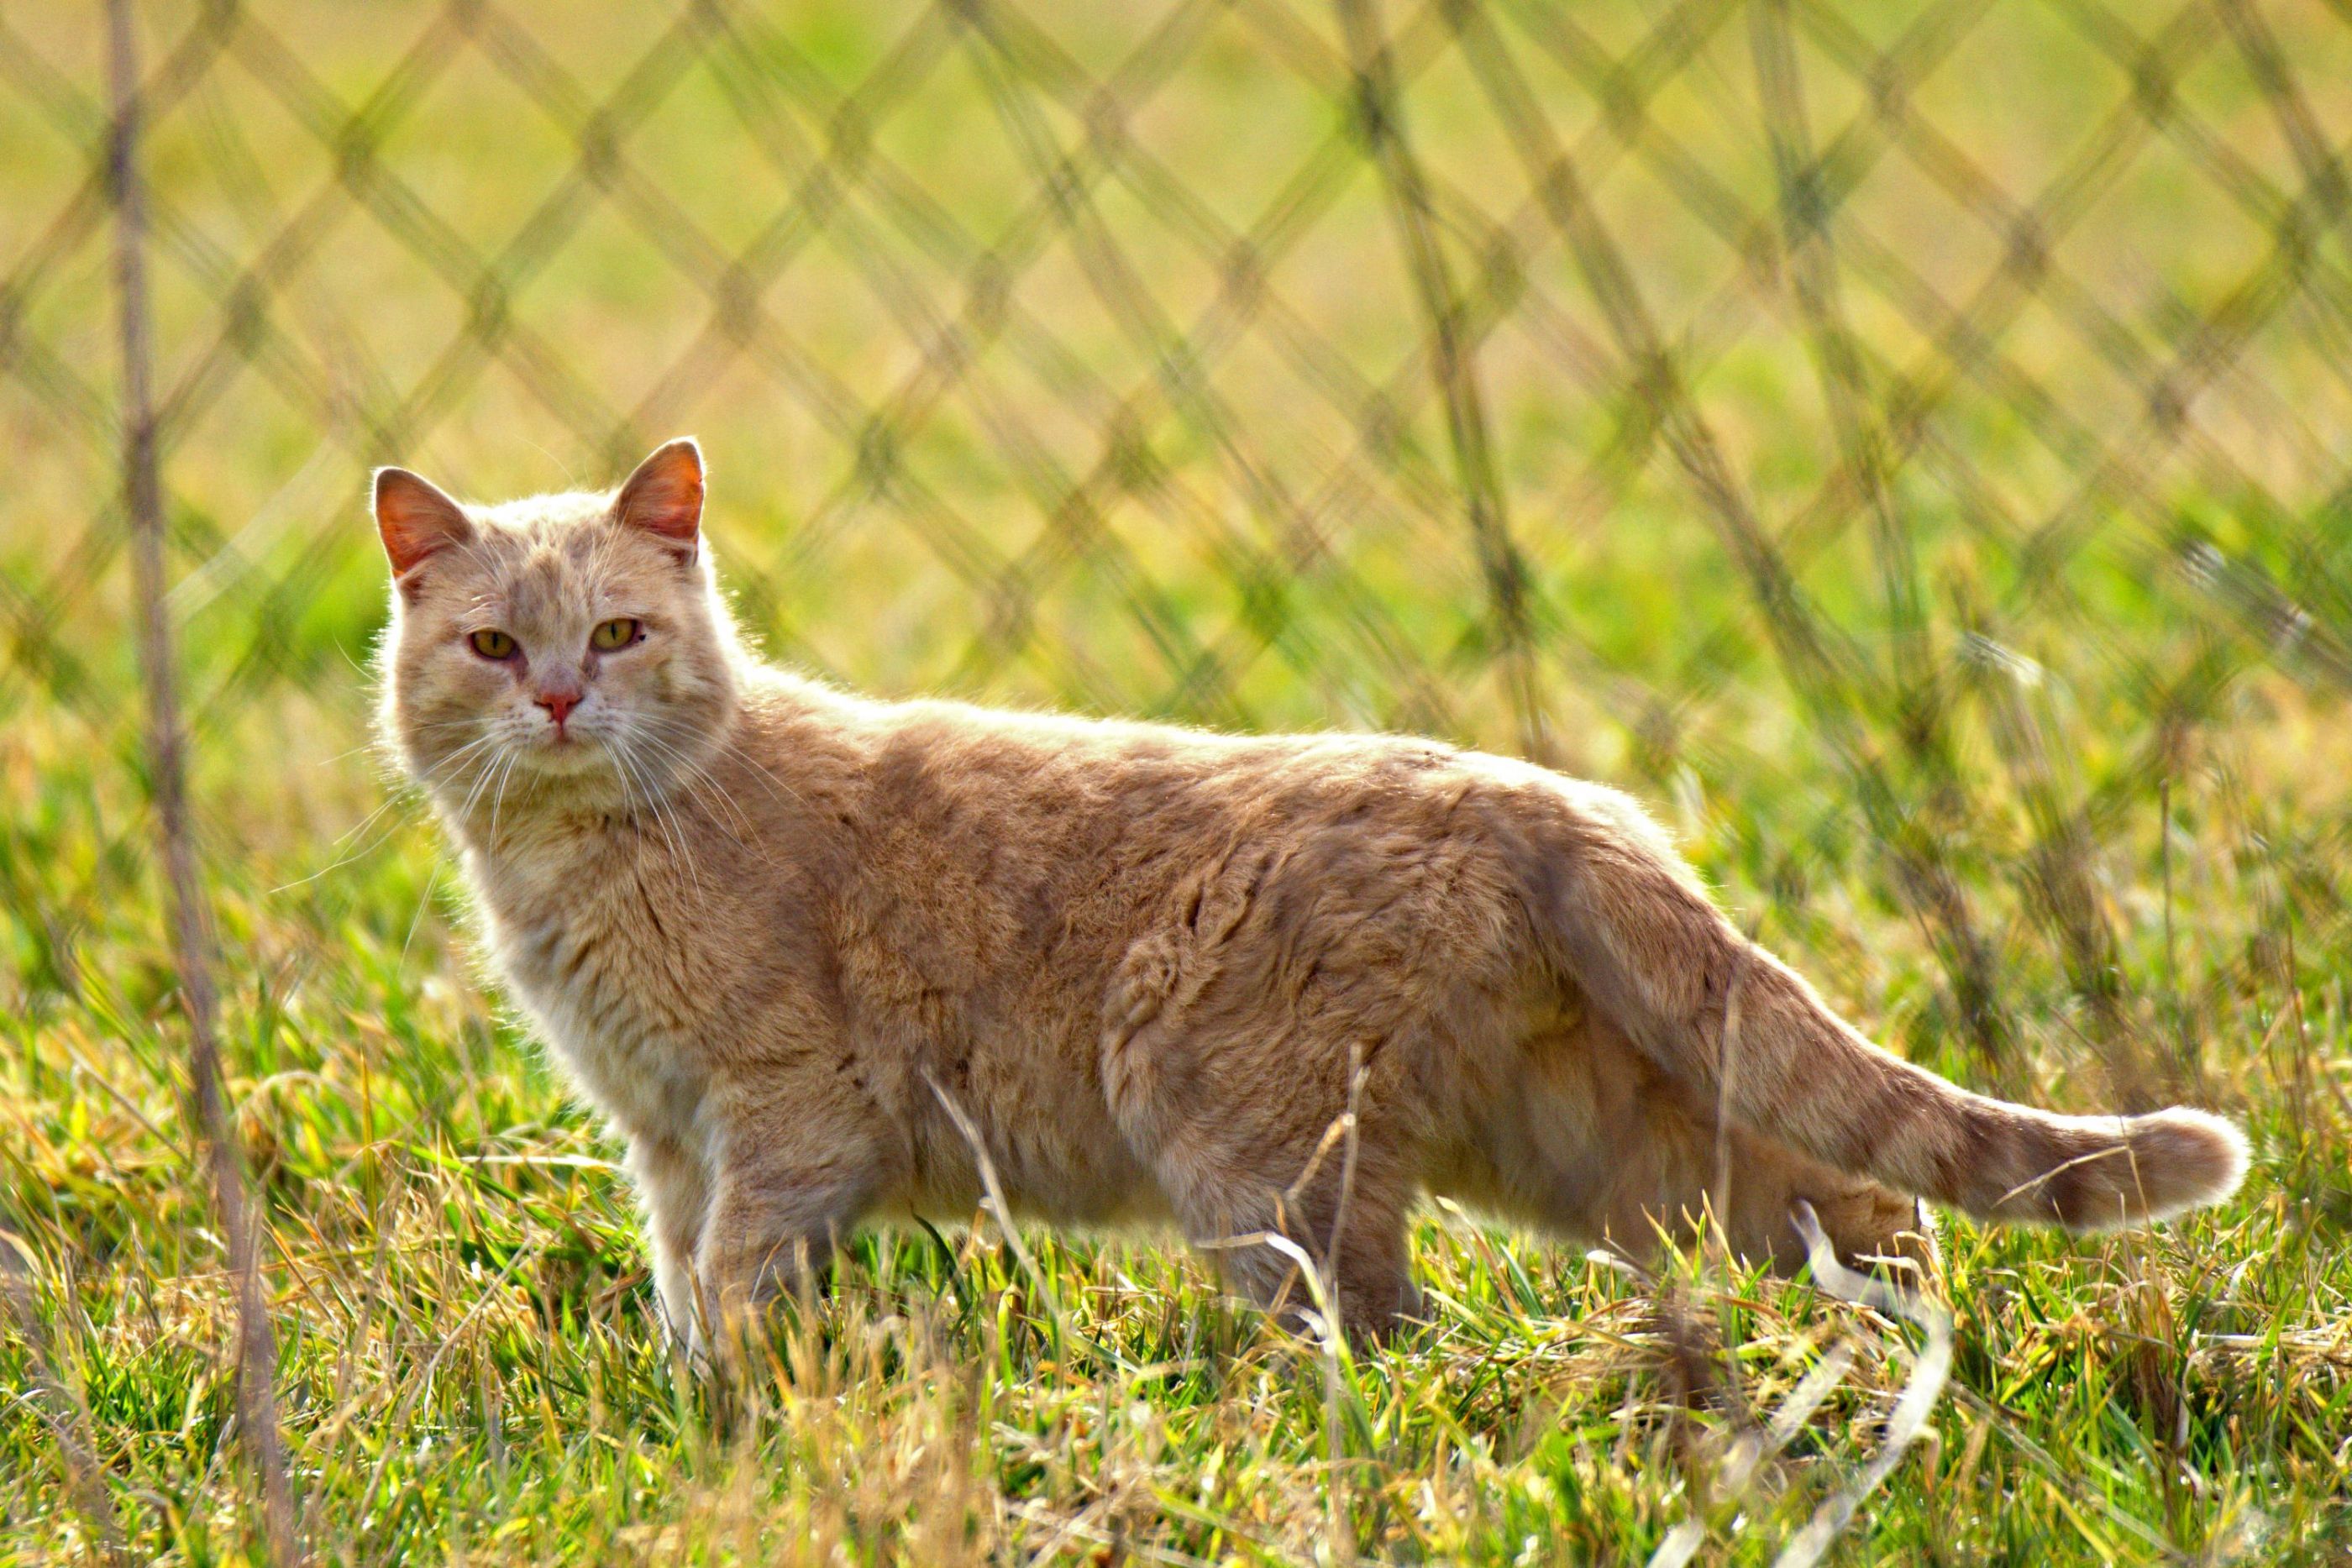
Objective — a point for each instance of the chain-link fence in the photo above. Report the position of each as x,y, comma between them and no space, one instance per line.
1714,387
1916,420
1249,361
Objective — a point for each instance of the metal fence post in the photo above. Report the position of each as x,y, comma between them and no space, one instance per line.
184,891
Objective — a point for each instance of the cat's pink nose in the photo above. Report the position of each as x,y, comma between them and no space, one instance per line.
557,703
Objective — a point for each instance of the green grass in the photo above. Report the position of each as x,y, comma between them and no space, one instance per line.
473,1368
2069,824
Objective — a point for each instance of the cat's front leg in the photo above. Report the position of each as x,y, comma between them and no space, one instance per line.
796,1165
675,1188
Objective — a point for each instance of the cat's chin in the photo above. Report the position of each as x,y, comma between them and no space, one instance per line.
574,757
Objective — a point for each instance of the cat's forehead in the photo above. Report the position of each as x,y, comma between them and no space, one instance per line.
560,519
547,554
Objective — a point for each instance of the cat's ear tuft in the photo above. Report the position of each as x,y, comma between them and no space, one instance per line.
416,519
664,496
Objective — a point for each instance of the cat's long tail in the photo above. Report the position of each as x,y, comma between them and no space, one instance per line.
1643,940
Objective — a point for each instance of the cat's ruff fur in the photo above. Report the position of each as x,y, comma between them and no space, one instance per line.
787,938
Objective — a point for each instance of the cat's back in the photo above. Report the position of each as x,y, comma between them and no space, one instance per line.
985,840
1058,799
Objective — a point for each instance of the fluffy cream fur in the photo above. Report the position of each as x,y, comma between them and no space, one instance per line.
814,955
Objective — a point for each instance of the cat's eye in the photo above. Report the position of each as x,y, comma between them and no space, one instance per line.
492,643
615,633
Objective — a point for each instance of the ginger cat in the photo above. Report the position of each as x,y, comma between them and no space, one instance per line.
794,943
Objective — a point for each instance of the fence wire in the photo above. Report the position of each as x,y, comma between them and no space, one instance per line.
1604,383
1601,383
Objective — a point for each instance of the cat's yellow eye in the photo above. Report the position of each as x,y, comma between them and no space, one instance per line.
612,634
492,643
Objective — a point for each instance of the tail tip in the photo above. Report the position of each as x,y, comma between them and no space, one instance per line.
2181,1159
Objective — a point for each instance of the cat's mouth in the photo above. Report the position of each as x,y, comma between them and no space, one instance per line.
564,750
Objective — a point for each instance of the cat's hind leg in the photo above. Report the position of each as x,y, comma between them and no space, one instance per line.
1752,1187
1593,1141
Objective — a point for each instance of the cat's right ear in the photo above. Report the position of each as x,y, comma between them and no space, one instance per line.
416,521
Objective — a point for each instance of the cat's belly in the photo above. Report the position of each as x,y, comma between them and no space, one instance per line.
1090,1179
1052,1147
1115,1202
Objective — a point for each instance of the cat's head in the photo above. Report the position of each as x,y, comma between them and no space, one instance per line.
565,648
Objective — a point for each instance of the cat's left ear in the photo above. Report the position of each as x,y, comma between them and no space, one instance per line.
664,496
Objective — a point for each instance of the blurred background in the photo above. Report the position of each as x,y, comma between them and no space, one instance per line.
1912,435
1904,441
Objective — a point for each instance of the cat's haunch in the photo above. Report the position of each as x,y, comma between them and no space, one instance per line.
813,955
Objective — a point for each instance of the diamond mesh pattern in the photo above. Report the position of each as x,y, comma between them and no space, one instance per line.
1594,383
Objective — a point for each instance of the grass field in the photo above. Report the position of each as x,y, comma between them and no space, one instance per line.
2044,774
